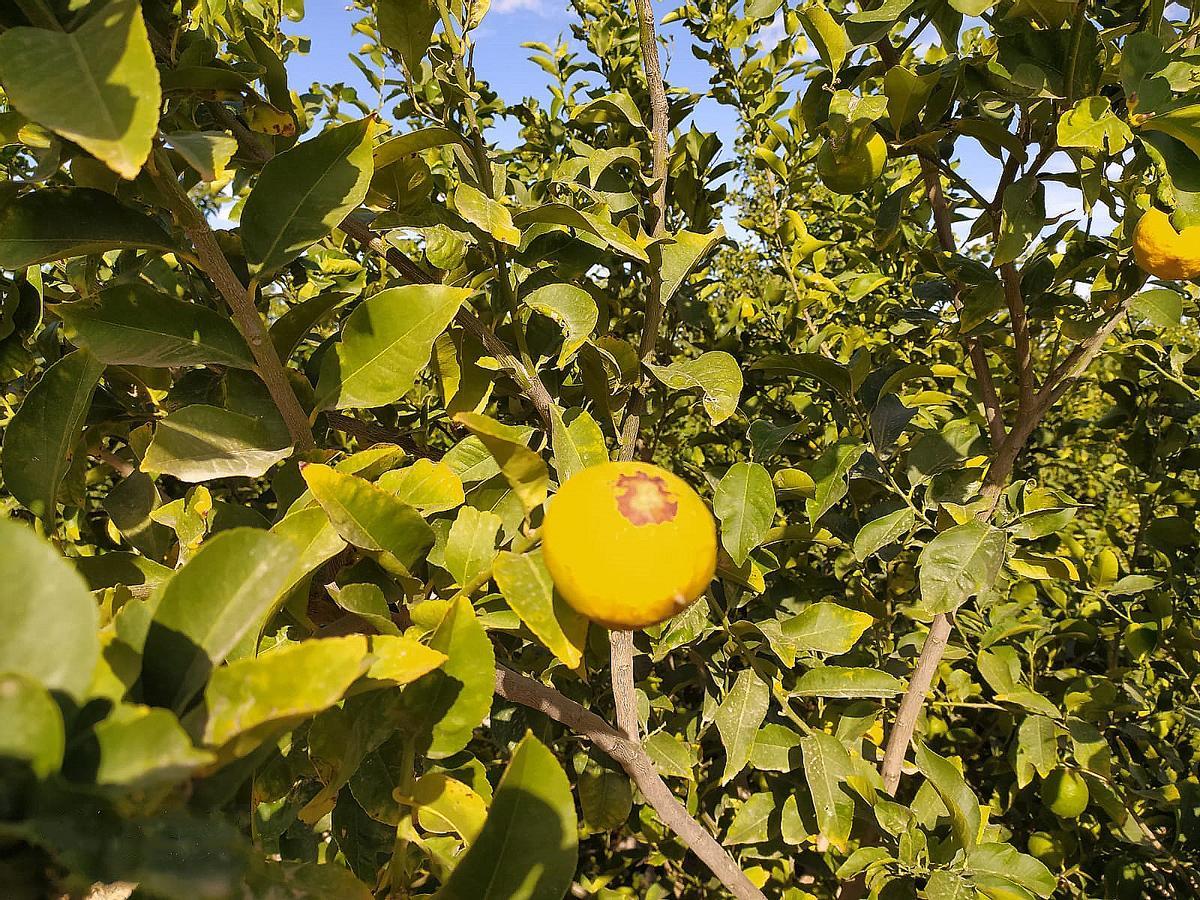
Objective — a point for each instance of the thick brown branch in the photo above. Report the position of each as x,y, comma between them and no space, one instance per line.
239,298
633,759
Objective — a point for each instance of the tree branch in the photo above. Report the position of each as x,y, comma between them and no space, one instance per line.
378,434
1057,384
1014,297
640,768
239,298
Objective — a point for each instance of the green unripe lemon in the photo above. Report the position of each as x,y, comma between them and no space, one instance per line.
1065,793
1048,849
854,170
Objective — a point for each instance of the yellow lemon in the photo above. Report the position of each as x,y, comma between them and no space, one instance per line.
852,170
629,544
1165,252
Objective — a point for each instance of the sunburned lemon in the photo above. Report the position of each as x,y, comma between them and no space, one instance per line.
1165,252
629,544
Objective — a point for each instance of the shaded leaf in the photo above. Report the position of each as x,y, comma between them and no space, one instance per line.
744,501
303,193
201,443
225,590
133,324
527,849
958,564
41,438
97,86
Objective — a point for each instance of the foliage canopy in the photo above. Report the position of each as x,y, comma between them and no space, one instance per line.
277,621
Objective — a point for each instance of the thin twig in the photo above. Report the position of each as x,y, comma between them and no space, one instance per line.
238,296
638,765
374,433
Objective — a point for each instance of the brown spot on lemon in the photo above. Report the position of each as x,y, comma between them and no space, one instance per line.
608,565
645,500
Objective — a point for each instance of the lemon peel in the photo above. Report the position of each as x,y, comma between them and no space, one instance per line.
1164,252
629,544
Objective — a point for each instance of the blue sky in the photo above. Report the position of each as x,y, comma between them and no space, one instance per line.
502,60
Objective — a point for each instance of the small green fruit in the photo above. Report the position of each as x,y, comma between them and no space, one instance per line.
1065,793
853,170
1048,848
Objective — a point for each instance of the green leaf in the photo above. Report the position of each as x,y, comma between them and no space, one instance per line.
400,660
41,438
253,700
671,756
431,487
715,373
524,470
828,36
1092,125
1004,861
1163,308
826,628
224,591
406,26
606,799
141,747
370,517
1037,748
681,255
1182,124
972,7
744,501
471,544
907,93
527,849
96,86
273,880
946,885
750,823
33,726
847,683
776,749
826,766
486,214
569,217
396,148
385,343
527,588
201,443
830,474
954,792
57,223
304,193
290,329
577,444
314,537
572,308
738,719
135,325
602,108
879,533
208,152
454,700
366,601
958,564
